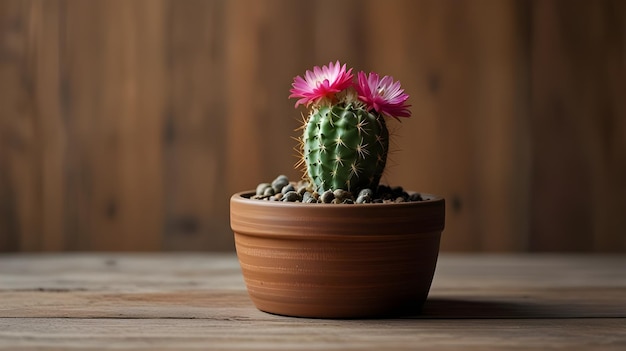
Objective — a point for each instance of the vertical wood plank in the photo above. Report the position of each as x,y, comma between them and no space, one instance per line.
32,144
141,180
195,121
578,124
44,23
19,166
500,133
339,33
81,57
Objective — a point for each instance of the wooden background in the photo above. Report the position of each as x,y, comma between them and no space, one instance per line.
127,124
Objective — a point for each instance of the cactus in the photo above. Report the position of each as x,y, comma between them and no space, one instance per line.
345,139
345,147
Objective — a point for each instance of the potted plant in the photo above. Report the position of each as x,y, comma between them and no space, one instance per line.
338,244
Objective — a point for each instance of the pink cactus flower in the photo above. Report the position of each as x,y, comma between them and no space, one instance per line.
322,83
383,95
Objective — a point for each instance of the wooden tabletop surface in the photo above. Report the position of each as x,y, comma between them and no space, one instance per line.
198,301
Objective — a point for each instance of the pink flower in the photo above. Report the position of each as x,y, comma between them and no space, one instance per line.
322,83
383,95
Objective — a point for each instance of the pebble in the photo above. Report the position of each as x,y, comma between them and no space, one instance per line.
366,192
307,196
365,196
279,183
291,196
363,199
260,189
287,188
327,197
342,195
302,189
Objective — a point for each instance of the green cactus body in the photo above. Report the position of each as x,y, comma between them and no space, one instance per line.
345,147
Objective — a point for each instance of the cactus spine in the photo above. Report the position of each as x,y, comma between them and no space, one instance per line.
344,146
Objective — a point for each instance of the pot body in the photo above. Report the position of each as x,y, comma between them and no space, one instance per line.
337,261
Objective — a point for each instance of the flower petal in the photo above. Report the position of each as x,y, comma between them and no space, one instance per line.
383,95
321,83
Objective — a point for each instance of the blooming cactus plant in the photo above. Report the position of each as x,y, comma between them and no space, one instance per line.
345,140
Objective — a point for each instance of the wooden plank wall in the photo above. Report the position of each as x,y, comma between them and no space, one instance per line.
127,124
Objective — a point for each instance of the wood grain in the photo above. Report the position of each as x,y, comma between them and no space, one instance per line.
579,126
193,126
127,124
190,301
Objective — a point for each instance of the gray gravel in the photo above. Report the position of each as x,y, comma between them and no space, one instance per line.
281,189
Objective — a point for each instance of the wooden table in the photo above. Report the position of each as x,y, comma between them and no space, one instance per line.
198,301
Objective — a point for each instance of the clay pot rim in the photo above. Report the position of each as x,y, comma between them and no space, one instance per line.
244,197
335,221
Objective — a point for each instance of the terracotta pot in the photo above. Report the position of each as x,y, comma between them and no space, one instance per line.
337,261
